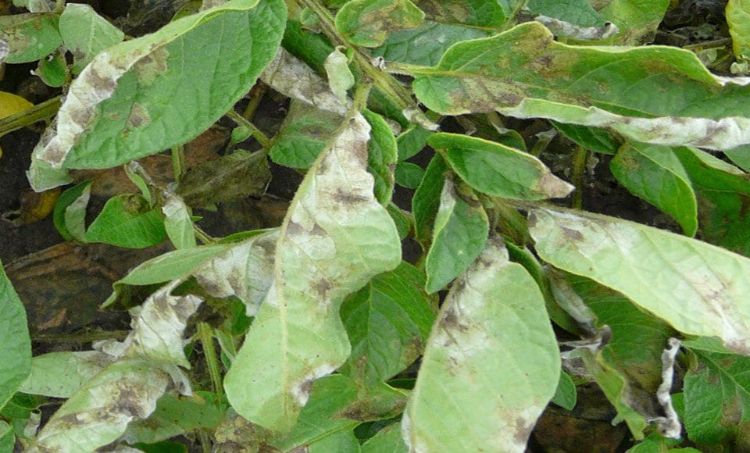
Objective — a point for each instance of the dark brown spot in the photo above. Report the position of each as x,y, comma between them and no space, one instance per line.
348,198
322,287
571,234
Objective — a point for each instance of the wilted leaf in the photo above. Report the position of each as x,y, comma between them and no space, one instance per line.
655,174
85,33
695,287
524,73
29,37
15,354
498,170
367,23
494,333
132,100
335,237
388,322
459,236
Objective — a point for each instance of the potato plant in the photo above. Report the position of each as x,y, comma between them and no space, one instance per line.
441,280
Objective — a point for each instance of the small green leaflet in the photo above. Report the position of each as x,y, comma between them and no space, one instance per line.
526,74
387,440
85,33
459,236
15,354
565,395
131,100
493,332
126,221
498,170
29,37
694,286
335,237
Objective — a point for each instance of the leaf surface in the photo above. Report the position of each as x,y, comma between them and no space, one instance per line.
653,94
125,221
493,332
85,33
335,237
28,37
15,354
367,23
738,19
694,286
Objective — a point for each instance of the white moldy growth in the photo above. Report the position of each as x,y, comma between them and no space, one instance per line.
293,78
566,29
4,50
96,83
301,390
669,426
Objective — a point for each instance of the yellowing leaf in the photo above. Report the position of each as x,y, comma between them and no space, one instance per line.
10,104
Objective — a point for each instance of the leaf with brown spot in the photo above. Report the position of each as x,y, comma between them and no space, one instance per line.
491,363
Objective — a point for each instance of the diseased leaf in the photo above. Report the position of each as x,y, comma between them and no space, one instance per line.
15,354
132,100
177,223
85,33
498,170
335,237
70,211
10,104
458,237
29,37
717,394
655,174
367,23
493,316
692,285
637,20
477,13
577,12
340,78
62,374
524,73
388,322
128,389
126,221
303,135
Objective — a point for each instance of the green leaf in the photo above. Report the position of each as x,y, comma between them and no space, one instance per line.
637,20
387,440
565,395
498,170
594,139
29,37
402,219
340,77
409,175
458,237
70,211
335,237
717,395
150,93
62,374
655,174
738,19
525,73
411,142
52,70
7,438
15,354
127,221
367,23
475,13
426,199
426,44
388,322
723,193
303,135
178,223
382,151
493,332
85,34
697,289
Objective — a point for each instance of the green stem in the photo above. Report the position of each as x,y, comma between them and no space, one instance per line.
178,162
39,112
202,236
205,334
580,157
262,138
83,337
256,95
